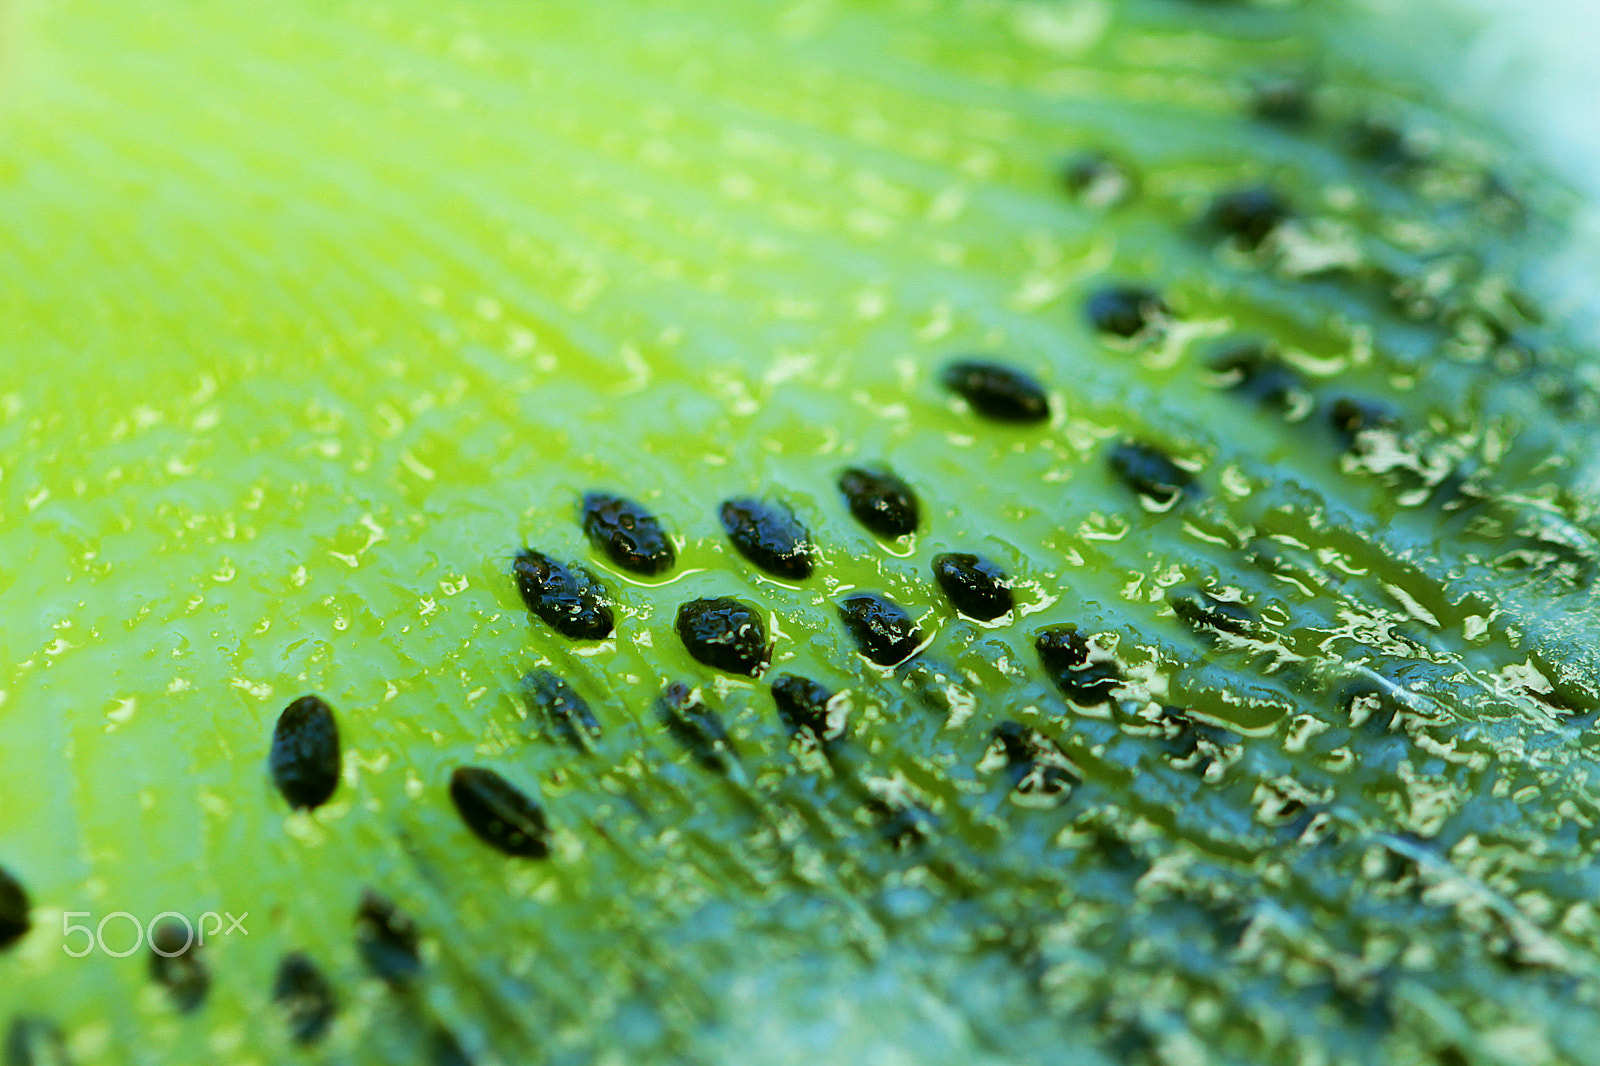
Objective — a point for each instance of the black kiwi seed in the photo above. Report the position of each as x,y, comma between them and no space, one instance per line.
725,634
1251,369
1351,417
974,586
569,600
1285,100
387,939
304,993
14,919
499,813
1147,471
305,753
34,1042
1124,310
696,727
903,825
880,501
445,1050
1379,141
1035,762
176,964
565,713
1097,180
770,536
882,630
997,391
629,535
1064,654
802,704
1014,738
1248,215
1201,610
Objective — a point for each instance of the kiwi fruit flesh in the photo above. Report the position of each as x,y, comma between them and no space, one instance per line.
400,358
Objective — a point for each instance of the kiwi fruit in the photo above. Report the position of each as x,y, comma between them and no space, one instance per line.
988,531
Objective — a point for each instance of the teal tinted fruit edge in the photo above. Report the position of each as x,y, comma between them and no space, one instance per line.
1213,341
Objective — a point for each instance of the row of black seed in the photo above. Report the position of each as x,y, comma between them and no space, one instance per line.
725,633
729,635
305,762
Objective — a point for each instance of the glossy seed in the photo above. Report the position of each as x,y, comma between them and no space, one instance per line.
1148,471
14,919
974,586
770,536
34,1042
1035,762
500,813
725,634
305,995
445,1050
882,502
1350,418
1065,655
882,630
629,535
903,825
803,705
305,753
1380,142
1096,180
387,939
1251,369
1248,215
1124,310
1283,100
558,706
1201,610
939,686
997,391
175,963
568,599
1017,741
695,726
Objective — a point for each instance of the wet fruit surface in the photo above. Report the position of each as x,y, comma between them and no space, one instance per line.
310,327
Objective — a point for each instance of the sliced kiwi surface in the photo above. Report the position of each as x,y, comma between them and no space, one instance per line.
1152,625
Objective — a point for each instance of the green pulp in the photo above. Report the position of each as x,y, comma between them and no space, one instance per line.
309,319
